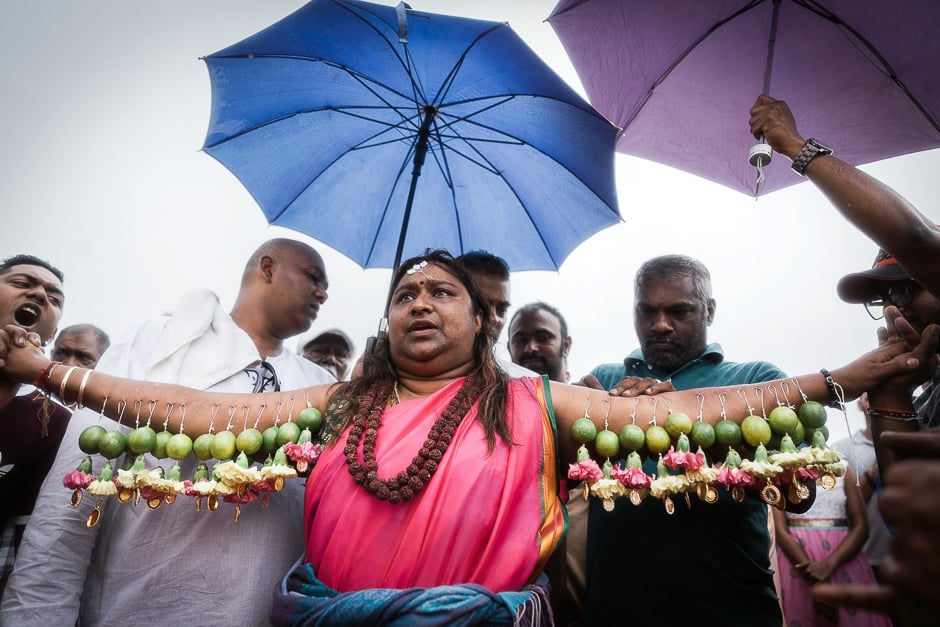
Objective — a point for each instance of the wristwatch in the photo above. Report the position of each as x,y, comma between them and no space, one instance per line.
811,149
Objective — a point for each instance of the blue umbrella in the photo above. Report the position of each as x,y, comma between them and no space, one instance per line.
382,131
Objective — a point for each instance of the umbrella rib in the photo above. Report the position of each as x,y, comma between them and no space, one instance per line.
683,55
815,7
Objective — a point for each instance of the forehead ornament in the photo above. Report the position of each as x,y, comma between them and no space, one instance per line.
419,267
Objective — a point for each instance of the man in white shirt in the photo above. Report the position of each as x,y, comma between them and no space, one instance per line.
177,565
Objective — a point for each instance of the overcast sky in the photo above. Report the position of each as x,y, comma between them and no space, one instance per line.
105,107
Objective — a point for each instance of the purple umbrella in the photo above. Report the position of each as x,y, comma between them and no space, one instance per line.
679,77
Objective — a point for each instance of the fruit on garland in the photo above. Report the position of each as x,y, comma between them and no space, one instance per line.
159,449
677,423
810,433
112,444
269,439
607,443
310,418
783,420
727,433
249,441
90,438
179,446
223,445
632,437
287,432
583,430
755,430
799,433
202,447
142,440
657,440
787,445
812,414
703,434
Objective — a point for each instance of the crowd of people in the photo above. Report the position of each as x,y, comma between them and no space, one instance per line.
440,495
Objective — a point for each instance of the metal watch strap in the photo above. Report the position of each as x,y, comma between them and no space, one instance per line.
811,150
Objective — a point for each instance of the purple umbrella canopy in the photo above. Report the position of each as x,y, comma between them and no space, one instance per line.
679,77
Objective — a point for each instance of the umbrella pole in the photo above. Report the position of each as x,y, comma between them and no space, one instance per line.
421,151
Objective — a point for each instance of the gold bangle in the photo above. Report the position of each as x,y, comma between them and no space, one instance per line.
65,380
81,387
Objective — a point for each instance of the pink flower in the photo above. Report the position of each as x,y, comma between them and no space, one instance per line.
734,477
585,471
304,454
631,477
247,496
678,460
265,485
77,479
807,474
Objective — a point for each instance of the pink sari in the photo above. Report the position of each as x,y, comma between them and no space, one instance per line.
485,518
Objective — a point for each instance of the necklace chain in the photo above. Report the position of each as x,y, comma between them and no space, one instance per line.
365,427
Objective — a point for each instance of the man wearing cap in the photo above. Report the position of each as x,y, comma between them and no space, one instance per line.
331,349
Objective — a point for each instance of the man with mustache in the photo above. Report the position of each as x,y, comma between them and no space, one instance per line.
539,340
725,547
31,296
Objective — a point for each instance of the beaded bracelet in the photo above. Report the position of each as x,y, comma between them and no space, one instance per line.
834,397
42,379
904,415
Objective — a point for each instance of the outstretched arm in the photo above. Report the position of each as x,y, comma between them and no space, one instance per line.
896,356
874,208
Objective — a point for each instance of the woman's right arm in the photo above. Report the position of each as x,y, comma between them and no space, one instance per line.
181,408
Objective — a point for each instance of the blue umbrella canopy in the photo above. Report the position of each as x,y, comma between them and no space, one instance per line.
382,131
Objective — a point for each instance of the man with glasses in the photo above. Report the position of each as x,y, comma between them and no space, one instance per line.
179,565
887,283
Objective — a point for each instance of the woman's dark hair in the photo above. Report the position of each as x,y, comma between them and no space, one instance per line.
346,398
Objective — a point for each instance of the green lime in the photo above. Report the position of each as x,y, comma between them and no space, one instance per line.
703,434
657,440
798,434
727,433
755,430
202,447
583,430
310,418
632,438
810,433
269,439
179,446
607,443
677,423
142,440
159,449
223,445
112,444
813,414
89,439
287,432
249,441
783,420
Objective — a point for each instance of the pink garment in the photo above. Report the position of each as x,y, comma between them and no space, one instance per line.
798,606
485,518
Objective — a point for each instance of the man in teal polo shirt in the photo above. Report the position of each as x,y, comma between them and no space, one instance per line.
708,564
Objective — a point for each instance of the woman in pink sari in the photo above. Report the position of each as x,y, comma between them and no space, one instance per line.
401,521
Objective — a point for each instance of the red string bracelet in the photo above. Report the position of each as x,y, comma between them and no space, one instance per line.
42,379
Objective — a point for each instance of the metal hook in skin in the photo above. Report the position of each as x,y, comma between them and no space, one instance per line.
258,419
137,405
182,416
166,419
636,401
773,389
121,406
743,395
799,388
277,413
606,405
759,391
701,405
152,407
587,405
653,402
213,413
231,415
721,399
